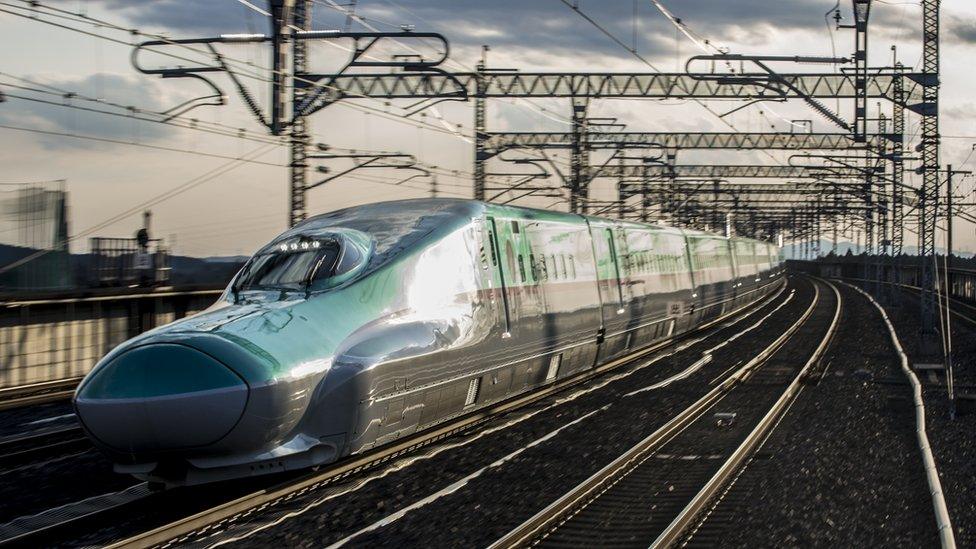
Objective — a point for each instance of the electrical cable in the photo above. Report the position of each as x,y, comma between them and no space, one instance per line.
229,60
166,195
131,144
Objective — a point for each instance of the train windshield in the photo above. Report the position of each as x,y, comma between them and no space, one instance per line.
290,265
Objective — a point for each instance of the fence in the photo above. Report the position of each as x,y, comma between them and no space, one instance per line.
63,336
123,262
960,281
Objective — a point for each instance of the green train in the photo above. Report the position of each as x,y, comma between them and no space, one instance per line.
364,325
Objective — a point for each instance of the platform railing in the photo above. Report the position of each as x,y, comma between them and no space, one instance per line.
61,336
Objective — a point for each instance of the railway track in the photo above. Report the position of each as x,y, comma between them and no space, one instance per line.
964,311
654,492
34,446
243,501
38,393
453,507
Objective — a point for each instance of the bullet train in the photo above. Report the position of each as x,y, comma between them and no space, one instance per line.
360,326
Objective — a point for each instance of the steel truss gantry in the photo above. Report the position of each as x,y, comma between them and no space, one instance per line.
497,142
748,86
716,171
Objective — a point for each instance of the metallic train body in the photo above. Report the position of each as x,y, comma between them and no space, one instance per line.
429,309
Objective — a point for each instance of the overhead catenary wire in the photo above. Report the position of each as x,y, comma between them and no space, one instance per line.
132,110
133,115
34,7
84,18
206,177
133,144
522,102
644,60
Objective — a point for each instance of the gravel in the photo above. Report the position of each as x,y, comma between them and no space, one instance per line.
482,508
56,479
843,467
953,441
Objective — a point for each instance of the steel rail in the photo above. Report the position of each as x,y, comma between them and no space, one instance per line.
18,448
943,522
673,533
563,508
218,514
37,393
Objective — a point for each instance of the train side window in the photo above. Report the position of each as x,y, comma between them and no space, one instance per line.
533,267
572,266
491,247
562,258
521,265
515,227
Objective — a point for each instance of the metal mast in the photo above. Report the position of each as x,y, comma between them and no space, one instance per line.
579,157
479,128
862,10
928,201
300,139
898,167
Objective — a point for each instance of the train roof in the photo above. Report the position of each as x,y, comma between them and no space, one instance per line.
398,225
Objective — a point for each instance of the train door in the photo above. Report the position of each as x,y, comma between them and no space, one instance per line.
499,285
616,339
615,261
736,274
529,303
623,265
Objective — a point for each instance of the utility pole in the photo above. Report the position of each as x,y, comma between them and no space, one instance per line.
949,174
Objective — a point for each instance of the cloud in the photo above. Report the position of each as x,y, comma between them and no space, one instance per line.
135,91
190,18
962,29
548,26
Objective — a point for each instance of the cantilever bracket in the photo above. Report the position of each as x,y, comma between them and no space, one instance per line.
362,161
363,42
325,93
773,81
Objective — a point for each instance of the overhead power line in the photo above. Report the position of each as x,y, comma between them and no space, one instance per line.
132,144
644,60
241,68
131,111
206,177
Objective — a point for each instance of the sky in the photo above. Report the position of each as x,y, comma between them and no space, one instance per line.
205,202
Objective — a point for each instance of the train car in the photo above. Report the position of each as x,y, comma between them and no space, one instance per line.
357,327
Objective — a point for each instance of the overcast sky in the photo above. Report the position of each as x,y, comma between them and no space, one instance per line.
233,207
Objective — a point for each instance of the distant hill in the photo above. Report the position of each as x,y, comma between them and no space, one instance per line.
60,270
792,251
216,271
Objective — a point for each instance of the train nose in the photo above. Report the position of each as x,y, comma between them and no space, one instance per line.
161,397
